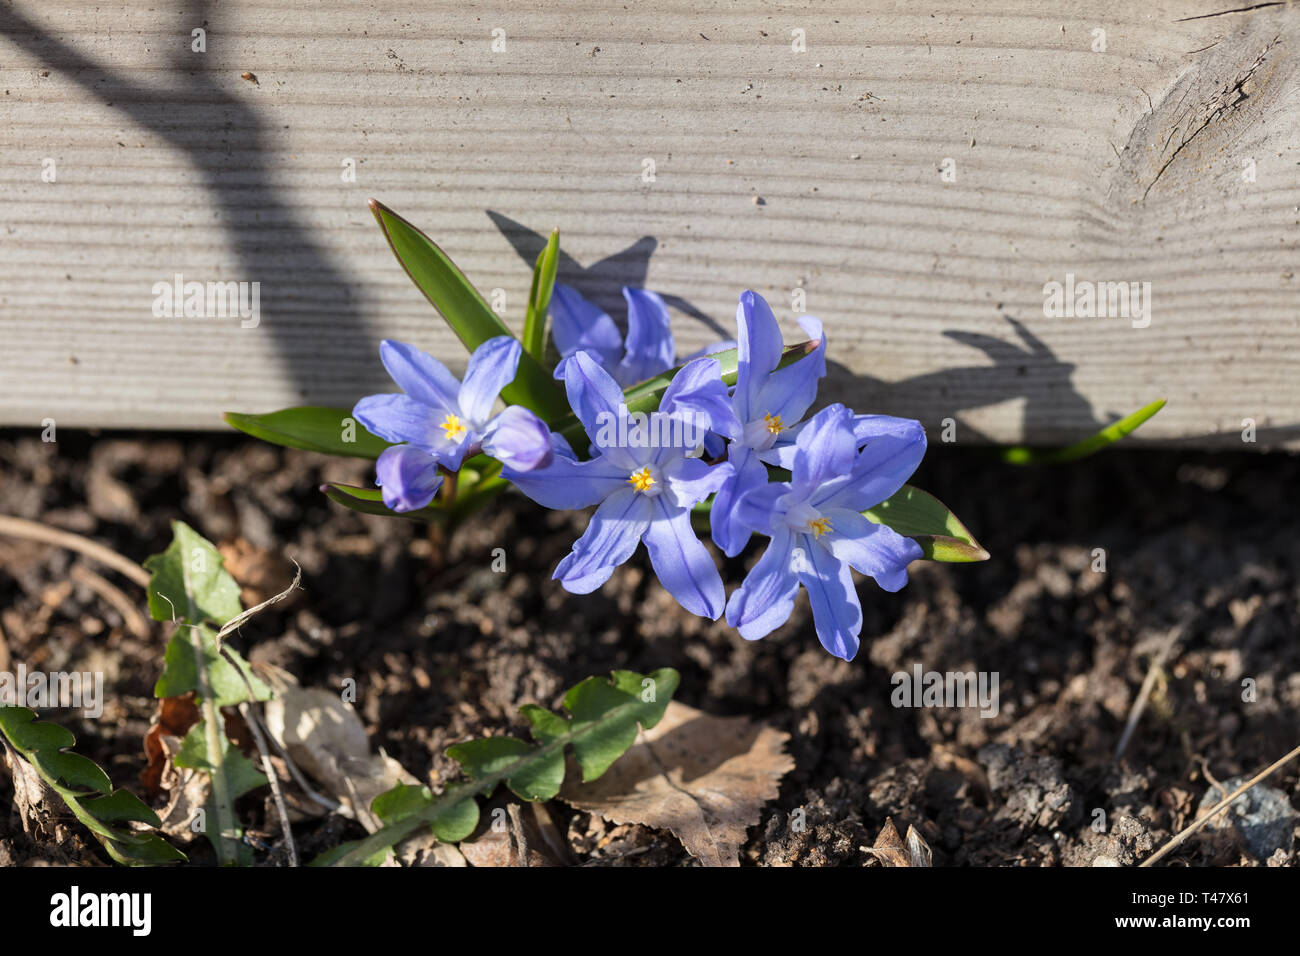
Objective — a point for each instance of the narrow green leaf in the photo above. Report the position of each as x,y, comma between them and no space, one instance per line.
370,501
539,297
1023,455
189,583
916,514
86,790
332,431
469,316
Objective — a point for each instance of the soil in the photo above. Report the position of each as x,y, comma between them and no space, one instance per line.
442,647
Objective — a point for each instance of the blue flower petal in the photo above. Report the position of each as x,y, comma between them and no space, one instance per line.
579,325
890,457
764,601
491,368
748,473
872,549
691,480
788,392
698,394
610,538
760,509
682,564
650,347
759,351
519,439
824,452
408,477
420,375
837,614
400,418
568,484
597,401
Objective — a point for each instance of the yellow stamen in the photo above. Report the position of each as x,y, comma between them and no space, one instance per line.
452,427
773,422
819,526
641,480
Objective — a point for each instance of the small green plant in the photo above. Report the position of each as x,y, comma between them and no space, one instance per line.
190,586
86,789
601,724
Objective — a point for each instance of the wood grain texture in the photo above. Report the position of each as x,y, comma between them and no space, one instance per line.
774,170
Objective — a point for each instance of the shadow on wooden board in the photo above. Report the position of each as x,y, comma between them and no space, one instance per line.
215,131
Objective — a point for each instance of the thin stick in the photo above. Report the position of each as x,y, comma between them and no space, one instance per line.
1139,705
1214,811
111,593
34,531
273,778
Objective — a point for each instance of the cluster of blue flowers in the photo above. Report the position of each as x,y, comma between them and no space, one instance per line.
839,464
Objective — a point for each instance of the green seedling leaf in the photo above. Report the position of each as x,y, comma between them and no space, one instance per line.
919,515
1022,455
600,725
332,431
181,670
188,582
539,297
242,774
465,311
86,790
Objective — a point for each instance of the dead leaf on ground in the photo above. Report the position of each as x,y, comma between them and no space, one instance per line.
503,822
891,850
704,778
261,573
327,741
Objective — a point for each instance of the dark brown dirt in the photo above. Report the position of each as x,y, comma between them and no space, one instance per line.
441,647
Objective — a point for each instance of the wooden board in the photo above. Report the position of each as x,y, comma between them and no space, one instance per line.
1171,158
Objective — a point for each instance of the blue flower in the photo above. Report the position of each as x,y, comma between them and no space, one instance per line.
581,326
817,529
645,492
441,421
769,404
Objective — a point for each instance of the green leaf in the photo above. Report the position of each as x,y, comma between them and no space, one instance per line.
1022,455
189,583
181,674
603,716
460,304
539,297
370,501
242,775
332,431
86,790
916,514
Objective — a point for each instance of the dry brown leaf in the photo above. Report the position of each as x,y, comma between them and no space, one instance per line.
502,822
704,778
326,739
891,850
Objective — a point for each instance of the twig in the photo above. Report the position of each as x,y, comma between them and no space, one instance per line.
111,593
1218,807
235,622
1139,705
35,531
273,778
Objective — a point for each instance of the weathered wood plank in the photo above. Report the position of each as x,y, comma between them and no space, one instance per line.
1128,165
